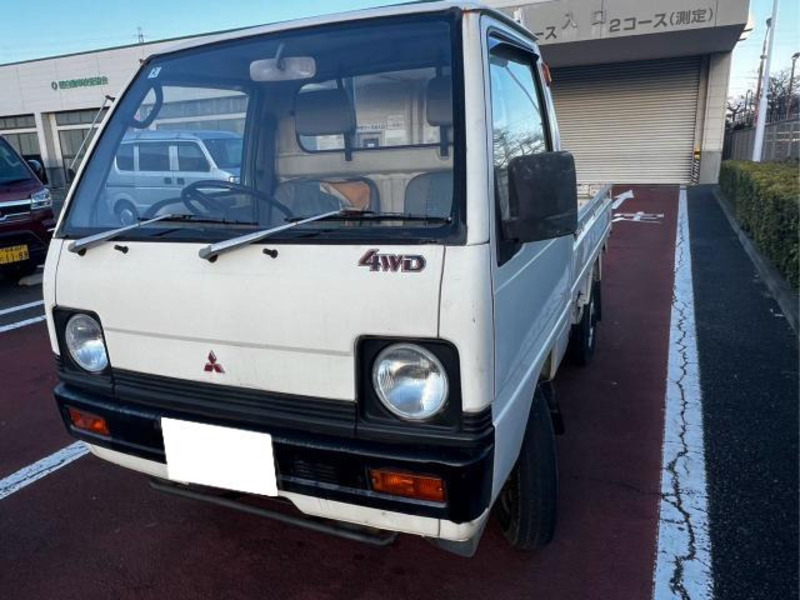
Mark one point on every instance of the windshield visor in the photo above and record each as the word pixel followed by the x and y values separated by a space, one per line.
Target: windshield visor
pixel 256 133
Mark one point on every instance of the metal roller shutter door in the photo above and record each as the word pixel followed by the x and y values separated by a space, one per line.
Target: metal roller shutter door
pixel 629 122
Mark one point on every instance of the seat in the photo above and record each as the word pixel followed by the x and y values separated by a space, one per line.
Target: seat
pixel 430 194
pixel 309 196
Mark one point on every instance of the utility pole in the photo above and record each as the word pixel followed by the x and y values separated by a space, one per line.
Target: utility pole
pixel 746 117
pixel 791 87
pixel 758 145
pixel 761 66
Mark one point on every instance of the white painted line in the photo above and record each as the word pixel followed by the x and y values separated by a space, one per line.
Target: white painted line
pixel 683 561
pixel 27 475
pixel 639 217
pixel 18 324
pixel 19 307
pixel 618 200
pixel 32 280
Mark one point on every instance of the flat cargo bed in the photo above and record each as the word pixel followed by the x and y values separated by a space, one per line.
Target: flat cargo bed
pixel 594 226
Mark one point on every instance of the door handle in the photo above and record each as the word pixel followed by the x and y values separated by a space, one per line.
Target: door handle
pixel 167 179
pixel 180 180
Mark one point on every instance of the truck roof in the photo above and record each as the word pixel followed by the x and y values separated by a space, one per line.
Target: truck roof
pixel 410 8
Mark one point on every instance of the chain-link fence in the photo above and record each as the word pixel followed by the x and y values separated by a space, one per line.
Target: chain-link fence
pixel 781 142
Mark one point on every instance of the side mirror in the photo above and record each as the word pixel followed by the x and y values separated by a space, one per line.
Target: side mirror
pixel 38 169
pixel 543 197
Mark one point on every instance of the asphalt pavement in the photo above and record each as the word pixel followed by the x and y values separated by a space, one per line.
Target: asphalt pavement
pixel 749 379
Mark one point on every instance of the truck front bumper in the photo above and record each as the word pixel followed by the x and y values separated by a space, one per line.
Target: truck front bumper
pixel 323 475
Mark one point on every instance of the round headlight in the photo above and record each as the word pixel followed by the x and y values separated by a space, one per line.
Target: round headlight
pixel 85 343
pixel 410 381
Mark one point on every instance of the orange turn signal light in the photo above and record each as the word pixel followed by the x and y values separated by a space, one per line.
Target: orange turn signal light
pixel 422 487
pixel 88 422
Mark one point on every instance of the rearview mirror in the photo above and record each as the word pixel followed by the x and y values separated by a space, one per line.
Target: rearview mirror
pixel 290 68
pixel 543 197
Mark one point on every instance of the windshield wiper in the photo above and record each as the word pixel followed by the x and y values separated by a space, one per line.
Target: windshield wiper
pixel 199 219
pixel 82 245
pixel 212 251
pixel 371 215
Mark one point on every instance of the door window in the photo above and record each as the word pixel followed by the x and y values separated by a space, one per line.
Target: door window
pixel 125 157
pixel 191 158
pixel 518 124
pixel 154 156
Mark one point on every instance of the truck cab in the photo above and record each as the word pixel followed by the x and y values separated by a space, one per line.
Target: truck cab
pixel 366 322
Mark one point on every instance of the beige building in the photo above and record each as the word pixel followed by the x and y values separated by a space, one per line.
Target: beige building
pixel 640 87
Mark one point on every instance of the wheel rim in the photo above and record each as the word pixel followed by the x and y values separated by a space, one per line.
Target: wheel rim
pixel 126 215
pixel 591 322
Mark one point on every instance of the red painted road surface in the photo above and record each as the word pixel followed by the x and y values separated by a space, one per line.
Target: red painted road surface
pixel 29 427
pixel 92 530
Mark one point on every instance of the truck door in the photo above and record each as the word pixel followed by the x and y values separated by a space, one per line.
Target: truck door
pixel 531 281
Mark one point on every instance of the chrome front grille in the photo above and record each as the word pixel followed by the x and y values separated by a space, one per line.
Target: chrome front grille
pixel 15 210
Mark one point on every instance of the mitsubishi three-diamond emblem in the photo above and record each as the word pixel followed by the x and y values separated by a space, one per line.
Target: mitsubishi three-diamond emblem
pixel 212 366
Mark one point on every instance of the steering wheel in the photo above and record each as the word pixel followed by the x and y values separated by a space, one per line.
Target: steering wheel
pixel 192 193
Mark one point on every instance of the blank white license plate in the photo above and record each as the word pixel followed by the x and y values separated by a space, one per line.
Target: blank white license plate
pixel 222 457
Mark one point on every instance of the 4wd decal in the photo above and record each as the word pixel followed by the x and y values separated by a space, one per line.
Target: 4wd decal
pixel 406 263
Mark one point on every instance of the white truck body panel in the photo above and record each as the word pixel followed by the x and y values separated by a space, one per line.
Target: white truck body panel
pixel 290 324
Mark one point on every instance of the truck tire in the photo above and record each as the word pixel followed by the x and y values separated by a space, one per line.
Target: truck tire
pixel 583 337
pixel 527 506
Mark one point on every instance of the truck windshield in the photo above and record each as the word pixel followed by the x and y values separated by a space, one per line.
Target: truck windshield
pixel 268 129
pixel 12 169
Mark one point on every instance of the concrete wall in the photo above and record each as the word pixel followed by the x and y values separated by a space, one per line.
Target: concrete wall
pixel 566 27
pixel 27 87
pixel 32 87
pixel 713 116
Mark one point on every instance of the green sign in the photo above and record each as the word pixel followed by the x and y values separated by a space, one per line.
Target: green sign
pixel 68 84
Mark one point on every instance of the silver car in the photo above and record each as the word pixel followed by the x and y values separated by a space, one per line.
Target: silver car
pixel 151 166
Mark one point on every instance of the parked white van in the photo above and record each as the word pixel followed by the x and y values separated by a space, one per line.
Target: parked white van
pixel 368 322
pixel 151 166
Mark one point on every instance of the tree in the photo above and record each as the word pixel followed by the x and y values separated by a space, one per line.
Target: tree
pixel 739 114
pixel 778 95
pixel 736 110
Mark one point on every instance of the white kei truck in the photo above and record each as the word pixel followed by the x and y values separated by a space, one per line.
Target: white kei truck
pixel 366 321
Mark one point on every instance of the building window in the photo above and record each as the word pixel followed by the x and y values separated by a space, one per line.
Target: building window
pixel 79 117
pixel 27 144
pixel 17 122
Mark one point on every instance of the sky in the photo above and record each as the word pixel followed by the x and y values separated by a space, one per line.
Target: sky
pixel 787 41
pixel 40 28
